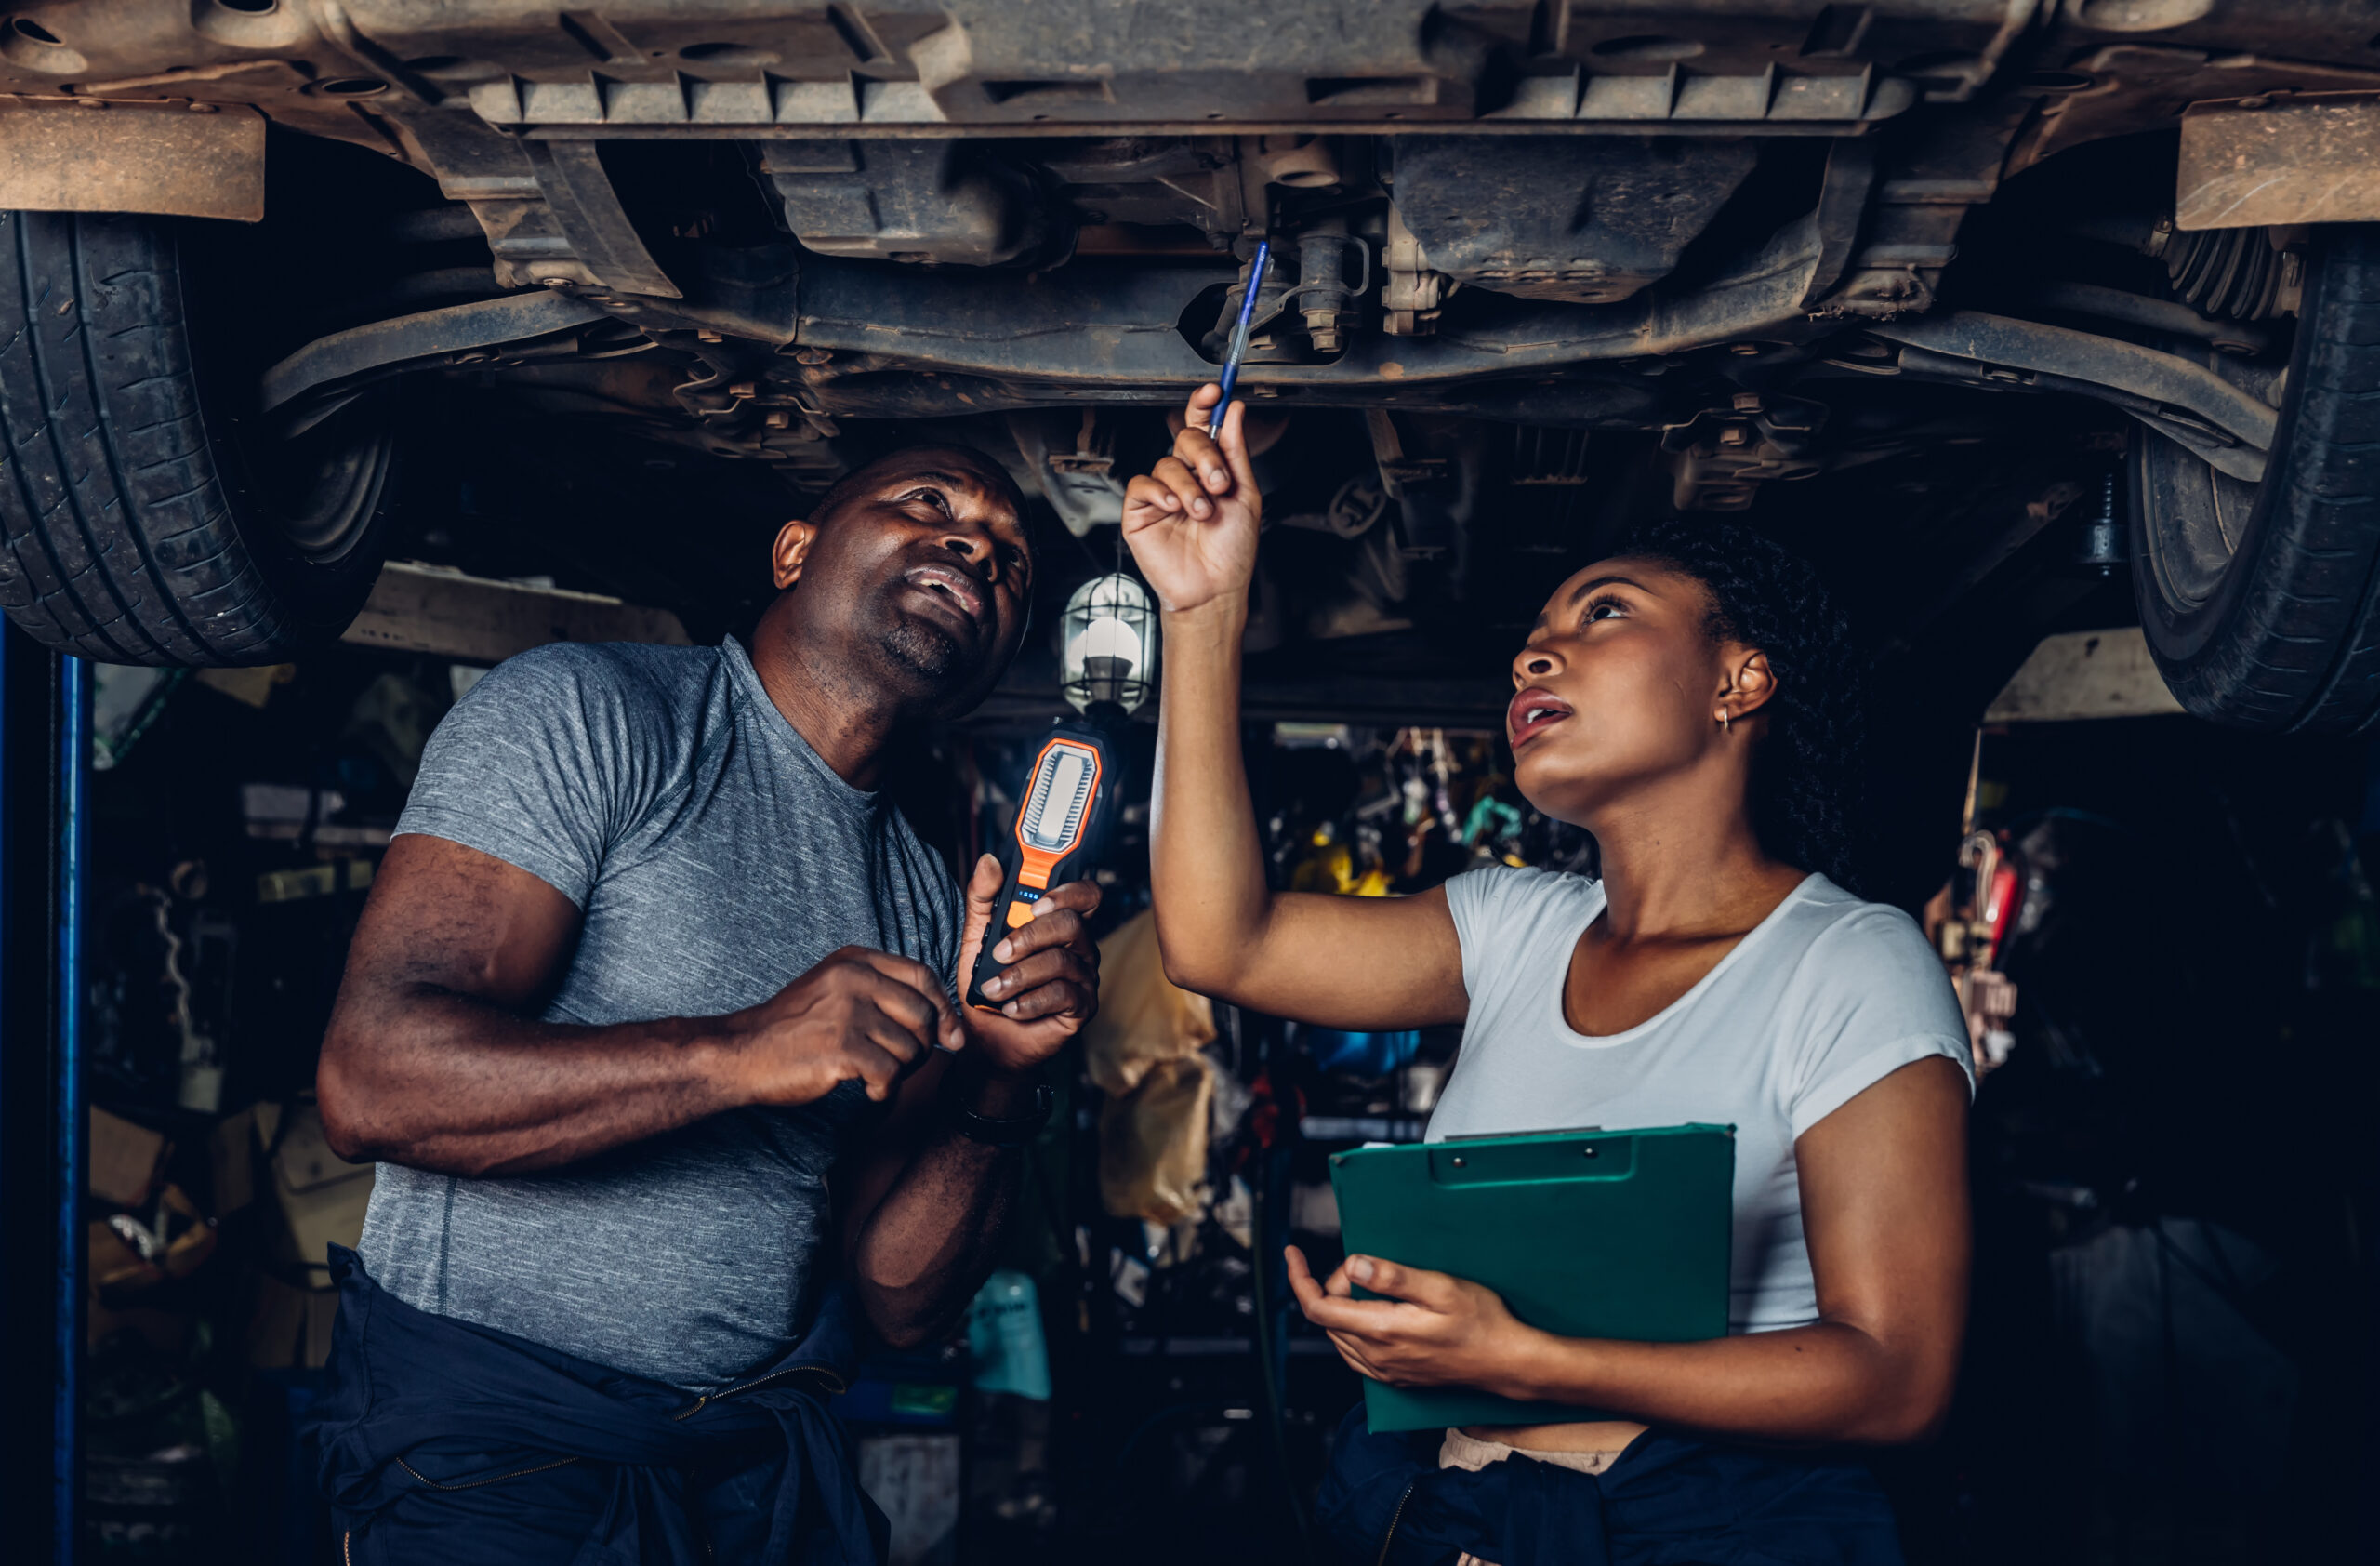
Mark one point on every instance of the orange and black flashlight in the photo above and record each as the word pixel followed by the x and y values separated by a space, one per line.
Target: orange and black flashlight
pixel 1061 832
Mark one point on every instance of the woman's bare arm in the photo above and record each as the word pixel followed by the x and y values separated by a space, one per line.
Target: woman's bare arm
pixel 1884 1210
pixel 1358 962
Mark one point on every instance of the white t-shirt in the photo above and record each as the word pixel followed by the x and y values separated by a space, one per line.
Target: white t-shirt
pixel 1824 997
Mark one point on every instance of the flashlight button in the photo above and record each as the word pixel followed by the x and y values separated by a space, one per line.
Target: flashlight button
pixel 1020 914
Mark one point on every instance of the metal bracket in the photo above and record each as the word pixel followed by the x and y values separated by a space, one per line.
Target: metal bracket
pixel 2164 390
pixel 428 340
pixel 551 214
pixel 1835 222
pixel 579 192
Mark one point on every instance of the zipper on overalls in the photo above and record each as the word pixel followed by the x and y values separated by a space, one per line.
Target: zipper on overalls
pixel 1394 1518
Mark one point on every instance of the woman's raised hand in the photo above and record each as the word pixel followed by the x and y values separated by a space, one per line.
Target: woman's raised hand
pixel 1192 523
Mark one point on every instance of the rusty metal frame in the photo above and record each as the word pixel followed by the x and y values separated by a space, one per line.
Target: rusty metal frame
pixel 2280 160
pixel 89 155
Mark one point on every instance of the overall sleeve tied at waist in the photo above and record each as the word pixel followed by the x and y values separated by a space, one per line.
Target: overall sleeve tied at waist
pixel 421 1402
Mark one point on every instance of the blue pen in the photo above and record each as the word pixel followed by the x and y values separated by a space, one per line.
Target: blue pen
pixel 1239 336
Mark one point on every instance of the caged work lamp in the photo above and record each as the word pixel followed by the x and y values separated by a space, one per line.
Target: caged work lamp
pixel 1107 645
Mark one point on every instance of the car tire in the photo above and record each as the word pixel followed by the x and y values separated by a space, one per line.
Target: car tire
pixel 2261 601
pixel 146 515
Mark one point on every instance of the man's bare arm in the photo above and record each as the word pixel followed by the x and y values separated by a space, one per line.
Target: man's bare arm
pixel 922 1209
pixel 431 1062
pixel 925 1209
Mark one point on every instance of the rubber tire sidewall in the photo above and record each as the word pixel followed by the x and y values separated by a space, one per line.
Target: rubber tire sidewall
pixel 2225 659
pixel 316 600
pixel 134 529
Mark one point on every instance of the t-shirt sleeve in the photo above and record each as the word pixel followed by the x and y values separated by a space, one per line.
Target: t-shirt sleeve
pixel 538 765
pixel 954 933
pixel 1877 1001
pixel 1481 901
pixel 945 905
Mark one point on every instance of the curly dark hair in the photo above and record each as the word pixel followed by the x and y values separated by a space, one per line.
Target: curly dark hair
pixel 1806 773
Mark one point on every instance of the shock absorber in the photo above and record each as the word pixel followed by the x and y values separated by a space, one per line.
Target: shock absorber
pixel 2101 548
pixel 1325 298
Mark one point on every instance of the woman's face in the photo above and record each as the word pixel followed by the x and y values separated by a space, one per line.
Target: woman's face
pixel 1619 685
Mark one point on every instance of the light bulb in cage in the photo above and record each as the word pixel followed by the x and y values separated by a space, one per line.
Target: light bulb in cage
pixel 1108 643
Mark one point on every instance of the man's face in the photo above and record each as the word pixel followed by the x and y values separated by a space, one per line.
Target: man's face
pixel 921 574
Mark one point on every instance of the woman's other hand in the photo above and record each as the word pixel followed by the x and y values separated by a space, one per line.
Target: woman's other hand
pixel 1192 523
pixel 1427 1330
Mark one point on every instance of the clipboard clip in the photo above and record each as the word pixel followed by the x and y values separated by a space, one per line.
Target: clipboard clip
pixel 1502 1135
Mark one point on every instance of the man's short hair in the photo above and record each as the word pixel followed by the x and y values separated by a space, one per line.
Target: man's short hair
pixel 844 489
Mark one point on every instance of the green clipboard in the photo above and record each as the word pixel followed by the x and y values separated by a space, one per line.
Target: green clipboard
pixel 1615 1234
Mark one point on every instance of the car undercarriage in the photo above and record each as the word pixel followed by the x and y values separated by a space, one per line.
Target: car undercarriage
pixel 1937 290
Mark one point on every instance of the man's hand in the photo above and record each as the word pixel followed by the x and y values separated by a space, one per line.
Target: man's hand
pixel 1193 522
pixel 1049 987
pixel 860 1014
pixel 1430 1330
pixel 923 1206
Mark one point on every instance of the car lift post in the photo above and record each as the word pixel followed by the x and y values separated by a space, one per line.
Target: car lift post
pixel 45 834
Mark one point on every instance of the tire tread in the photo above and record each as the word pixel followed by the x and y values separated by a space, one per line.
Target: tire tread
pixel 120 537
pixel 2300 648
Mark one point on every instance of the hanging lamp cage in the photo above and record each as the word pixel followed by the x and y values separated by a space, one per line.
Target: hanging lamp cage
pixel 1108 643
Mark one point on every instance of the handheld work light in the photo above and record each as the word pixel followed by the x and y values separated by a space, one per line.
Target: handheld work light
pixel 1107 647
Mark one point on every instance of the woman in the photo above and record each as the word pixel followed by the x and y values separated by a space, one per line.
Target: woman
pixel 1686 703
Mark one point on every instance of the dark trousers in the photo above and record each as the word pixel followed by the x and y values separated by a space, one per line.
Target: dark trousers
pixel 448 1444
pixel 566 1515
pixel 1669 1500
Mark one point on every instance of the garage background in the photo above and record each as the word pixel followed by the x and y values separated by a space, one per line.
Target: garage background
pixel 2167 1360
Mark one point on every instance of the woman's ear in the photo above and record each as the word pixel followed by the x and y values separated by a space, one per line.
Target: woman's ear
pixel 1750 683
pixel 792 548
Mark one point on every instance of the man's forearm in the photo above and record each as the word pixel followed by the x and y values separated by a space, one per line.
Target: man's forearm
pixel 440 1081
pixel 927 1246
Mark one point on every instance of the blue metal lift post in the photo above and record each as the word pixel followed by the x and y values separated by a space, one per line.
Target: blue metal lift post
pixel 45 784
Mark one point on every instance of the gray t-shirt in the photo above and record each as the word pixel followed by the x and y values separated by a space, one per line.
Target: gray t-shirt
pixel 714 857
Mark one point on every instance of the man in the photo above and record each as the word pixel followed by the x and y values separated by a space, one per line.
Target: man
pixel 647 960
